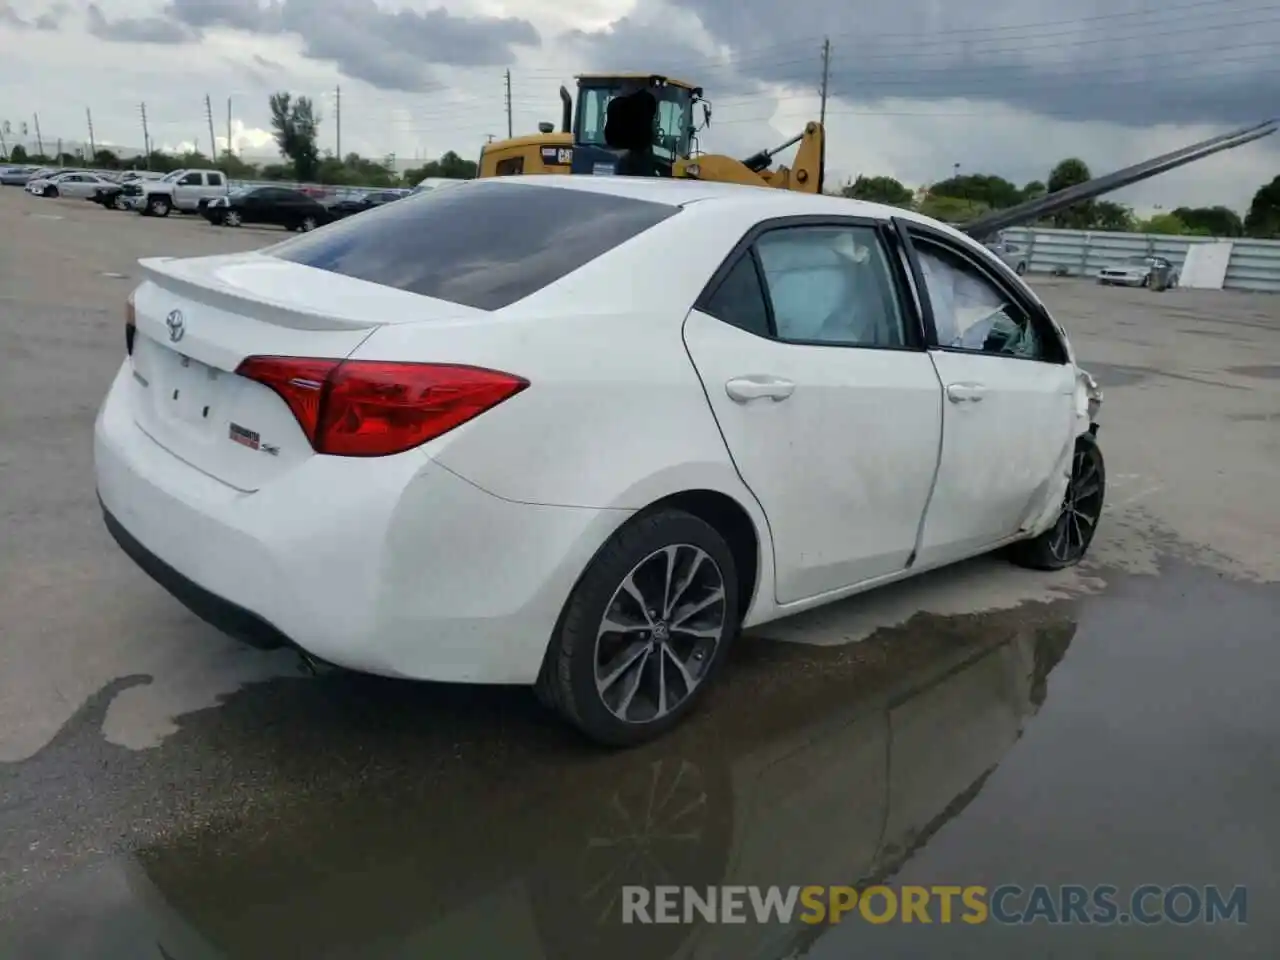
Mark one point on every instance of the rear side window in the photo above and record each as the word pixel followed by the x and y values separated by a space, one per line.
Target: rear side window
pixel 739 300
pixel 481 244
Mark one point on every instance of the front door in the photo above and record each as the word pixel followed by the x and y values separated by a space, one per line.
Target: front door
pixel 826 400
pixel 1009 409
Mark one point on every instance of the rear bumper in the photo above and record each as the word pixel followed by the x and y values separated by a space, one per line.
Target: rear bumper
pixel 394 566
pixel 233 620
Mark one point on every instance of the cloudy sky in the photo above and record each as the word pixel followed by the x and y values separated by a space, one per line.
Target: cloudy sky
pixel 917 86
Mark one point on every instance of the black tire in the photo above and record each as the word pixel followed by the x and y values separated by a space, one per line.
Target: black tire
pixel 568 677
pixel 1066 542
pixel 157 207
pixel 307 224
pixel 113 203
pixel 1146 281
pixel 51 191
pixel 1020 269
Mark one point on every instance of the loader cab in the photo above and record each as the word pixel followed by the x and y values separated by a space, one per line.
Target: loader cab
pixel 673 124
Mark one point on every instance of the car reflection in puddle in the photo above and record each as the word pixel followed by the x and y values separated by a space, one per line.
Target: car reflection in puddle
pixel 818 791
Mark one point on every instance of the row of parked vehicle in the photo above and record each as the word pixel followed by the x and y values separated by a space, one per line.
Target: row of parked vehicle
pixel 208 193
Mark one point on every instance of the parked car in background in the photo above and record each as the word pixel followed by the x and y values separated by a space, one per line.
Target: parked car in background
pixel 435 183
pixel 187 191
pixel 281 206
pixel 1136 272
pixel 37 184
pixel 17 176
pixel 346 206
pixel 1011 253
pixel 78 184
pixel 110 195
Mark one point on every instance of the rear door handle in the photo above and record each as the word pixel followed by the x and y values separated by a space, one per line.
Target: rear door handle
pixel 965 392
pixel 757 387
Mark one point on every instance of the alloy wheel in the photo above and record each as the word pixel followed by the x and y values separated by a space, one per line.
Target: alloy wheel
pixel 1081 509
pixel 659 633
pixel 309 224
pixel 231 218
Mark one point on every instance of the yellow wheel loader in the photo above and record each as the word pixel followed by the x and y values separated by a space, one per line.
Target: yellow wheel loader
pixel 669 147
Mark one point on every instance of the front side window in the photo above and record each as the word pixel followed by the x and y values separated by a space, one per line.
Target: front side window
pixel 831 285
pixel 215 179
pixel 190 180
pixel 971 313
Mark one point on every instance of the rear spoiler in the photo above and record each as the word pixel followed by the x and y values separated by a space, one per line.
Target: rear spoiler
pixel 1034 210
pixel 176 275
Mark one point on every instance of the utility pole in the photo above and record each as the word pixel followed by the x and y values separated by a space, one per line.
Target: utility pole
pixel 146 137
pixel 39 139
pixel 213 141
pixel 57 157
pixel 337 119
pixel 826 74
pixel 230 154
pixel 93 147
pixel 509 134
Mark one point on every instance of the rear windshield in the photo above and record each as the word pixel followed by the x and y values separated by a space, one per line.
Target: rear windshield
pixel 484 244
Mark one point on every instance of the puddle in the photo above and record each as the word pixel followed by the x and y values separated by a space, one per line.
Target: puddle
pixel 1120 738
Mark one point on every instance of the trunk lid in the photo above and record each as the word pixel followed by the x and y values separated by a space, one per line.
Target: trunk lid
pixel 198 319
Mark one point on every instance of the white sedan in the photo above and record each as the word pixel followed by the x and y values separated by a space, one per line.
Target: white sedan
pixel 576 432
pixel 76 184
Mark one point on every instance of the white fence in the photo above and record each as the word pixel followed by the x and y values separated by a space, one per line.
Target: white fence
pixel 1254 264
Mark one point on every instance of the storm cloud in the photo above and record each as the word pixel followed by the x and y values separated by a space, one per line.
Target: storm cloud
pixel 1187 61
pixel 137 29
pixel 393 50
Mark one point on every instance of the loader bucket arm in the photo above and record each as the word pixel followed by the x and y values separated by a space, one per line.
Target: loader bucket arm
pixel 1052 203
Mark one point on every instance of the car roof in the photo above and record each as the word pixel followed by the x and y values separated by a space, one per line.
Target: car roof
pixel 768 202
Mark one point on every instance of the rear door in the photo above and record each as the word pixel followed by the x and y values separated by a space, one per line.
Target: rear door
pixel 813 363
pixel 1009 410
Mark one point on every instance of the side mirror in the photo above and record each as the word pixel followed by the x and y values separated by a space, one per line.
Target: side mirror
pixel 545 127
pixel 706 114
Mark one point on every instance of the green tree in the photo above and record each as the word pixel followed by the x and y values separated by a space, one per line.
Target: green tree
pixel 18 154
pixel 885 190
pixel 1070 173
pixel 295 124
pixel 1263 219
pixel 1034 190
pixel 1166 223
pixel 995 192
pixel 450 166
pixel 951 209
pixel 236 168
pixel 1211 221
pixel 106 159
pixel 1112 216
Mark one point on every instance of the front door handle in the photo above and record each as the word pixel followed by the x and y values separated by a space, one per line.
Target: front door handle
pixel 965 392
pixel 756 387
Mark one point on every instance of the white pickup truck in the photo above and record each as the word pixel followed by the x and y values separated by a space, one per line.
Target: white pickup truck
pixel 184 190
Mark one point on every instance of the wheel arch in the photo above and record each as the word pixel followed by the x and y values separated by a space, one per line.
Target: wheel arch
pixel 732 521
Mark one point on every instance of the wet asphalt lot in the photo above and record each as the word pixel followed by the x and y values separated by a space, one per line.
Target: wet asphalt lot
pixel 166 793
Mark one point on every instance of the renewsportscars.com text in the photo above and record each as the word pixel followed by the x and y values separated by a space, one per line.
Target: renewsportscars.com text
pixel 1006 904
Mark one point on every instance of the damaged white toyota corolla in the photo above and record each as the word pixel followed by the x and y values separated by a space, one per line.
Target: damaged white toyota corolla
pixel 576 432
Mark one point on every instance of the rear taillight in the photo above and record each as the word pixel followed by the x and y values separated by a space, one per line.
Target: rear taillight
pixel 130 324
pixel 372 408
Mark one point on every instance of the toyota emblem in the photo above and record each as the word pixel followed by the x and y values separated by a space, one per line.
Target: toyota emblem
pixel 177 326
